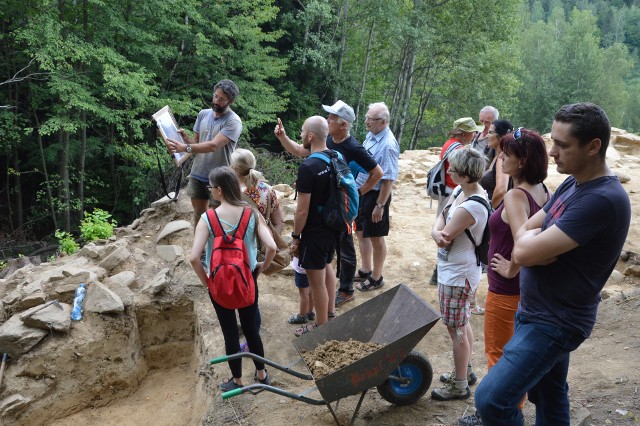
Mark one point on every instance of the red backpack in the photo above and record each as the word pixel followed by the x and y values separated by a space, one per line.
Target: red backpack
pixel 230 280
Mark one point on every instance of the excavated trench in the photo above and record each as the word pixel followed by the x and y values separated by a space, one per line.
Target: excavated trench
pixel 130 369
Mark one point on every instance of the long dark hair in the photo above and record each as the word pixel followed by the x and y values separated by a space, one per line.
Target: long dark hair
pixel 225 179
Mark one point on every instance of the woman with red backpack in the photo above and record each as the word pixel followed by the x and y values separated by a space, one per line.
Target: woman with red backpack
pixel 229 234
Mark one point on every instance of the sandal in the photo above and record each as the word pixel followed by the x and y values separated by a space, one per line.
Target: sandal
pixel 311 316
pixel 297 319
pixel 229 385
pixel 304 329
pixel 265 381
pixel 332 315
pixel 361 275
pixel 370 284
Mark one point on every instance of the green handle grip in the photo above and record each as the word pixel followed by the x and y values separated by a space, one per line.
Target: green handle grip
pixel 232 393
pixel 219 360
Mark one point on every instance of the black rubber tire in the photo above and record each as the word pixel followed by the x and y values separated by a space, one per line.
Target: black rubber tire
pixel 418 368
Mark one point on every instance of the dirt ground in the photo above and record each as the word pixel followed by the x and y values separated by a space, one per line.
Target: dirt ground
pixel 603 376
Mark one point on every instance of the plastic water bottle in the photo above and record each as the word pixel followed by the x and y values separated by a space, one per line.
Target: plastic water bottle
pixel 76 312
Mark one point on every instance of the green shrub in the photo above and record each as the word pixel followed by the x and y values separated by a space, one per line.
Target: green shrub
pixel 66 242
pixel 97 225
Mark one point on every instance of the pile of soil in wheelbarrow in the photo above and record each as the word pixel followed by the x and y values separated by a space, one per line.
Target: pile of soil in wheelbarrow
pixel 335 354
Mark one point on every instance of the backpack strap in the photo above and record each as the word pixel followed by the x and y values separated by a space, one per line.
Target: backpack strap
pixel 449 150
pixel 214 222
pixel 240 230
pixel 484 202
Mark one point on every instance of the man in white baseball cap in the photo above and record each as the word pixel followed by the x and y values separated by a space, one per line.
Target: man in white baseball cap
pixel 342 110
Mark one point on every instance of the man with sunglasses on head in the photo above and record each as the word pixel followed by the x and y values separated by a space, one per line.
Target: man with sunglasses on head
pixel 216 134
pixel 567 252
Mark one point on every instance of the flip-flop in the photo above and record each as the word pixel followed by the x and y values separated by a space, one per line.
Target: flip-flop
pixel 304 329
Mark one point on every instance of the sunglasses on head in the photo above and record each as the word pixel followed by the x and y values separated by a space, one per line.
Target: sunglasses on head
pixel 517 134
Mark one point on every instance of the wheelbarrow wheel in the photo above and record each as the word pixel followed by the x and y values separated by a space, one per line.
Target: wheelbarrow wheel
pixel 417 369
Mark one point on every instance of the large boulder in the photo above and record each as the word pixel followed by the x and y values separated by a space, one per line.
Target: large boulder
pixel 16 338
pixel 101 300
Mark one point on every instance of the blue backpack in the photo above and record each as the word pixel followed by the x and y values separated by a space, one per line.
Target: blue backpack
pixel 341 207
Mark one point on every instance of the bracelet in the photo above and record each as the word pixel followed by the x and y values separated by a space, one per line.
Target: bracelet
pixel 295 236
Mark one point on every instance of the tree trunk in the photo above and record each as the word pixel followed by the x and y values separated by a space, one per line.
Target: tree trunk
pixel 63 139
pixel 18 189
pixel 44 170
pixel 408 91
pixel 343 46
pixel 83 159
pixel 425 97
pixel 363 86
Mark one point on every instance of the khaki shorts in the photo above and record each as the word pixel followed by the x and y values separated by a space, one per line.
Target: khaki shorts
pixel 198 189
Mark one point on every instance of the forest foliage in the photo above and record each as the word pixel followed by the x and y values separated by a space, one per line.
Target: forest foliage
pixel 81 79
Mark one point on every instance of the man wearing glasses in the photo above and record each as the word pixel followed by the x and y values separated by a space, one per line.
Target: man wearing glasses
pixel 372 223
pixel 216 134
pixel 339 120
pixel 567 251
pixel 480 142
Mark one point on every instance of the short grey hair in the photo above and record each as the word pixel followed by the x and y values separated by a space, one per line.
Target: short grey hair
pixel 384 110
pixel 229 88
pixel 492 110
pixel 341 121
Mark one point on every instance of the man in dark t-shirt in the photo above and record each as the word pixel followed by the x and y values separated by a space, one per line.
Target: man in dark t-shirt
pixel 568 251
pixel 340 119
pixel 313 242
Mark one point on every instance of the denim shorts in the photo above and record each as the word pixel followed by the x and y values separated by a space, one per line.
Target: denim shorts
pixel 300 279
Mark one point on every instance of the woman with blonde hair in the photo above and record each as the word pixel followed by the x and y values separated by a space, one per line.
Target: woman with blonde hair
pixel 254 185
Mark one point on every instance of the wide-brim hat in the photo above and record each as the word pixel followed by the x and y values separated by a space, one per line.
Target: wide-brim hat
pixel 342 110
pixel 467 124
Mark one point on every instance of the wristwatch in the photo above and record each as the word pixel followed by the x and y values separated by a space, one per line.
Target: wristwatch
pixel 295 236
pixel 189 149
pixel 380 206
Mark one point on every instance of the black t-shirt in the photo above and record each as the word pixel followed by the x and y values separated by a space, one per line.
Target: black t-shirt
pixel 313 178
pixel 353 152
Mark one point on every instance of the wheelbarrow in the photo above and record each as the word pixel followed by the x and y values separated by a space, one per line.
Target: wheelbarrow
pixel 396 319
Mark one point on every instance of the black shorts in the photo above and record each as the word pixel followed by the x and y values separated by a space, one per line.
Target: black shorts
pixel 316 249
pixel 365 210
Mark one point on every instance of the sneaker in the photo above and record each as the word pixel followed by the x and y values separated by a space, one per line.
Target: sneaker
pixel 472 420
pixel 451 390
pixel 471 377
pixel 434 277
pixel 342 298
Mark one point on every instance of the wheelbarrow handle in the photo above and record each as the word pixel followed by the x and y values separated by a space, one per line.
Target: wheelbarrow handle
pixel 219 360
pixel 263 360
pixel 258 387
pixel 232 393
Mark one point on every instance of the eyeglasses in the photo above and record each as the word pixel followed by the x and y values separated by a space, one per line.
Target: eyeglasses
pixel 221 99
pixel 210 187
pixel 372 119
pixel 492 132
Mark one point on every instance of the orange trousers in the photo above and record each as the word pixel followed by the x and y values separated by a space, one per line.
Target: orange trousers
pixel 499 318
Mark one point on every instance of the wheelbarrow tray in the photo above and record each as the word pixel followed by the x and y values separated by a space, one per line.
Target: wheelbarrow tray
pixel 396 319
